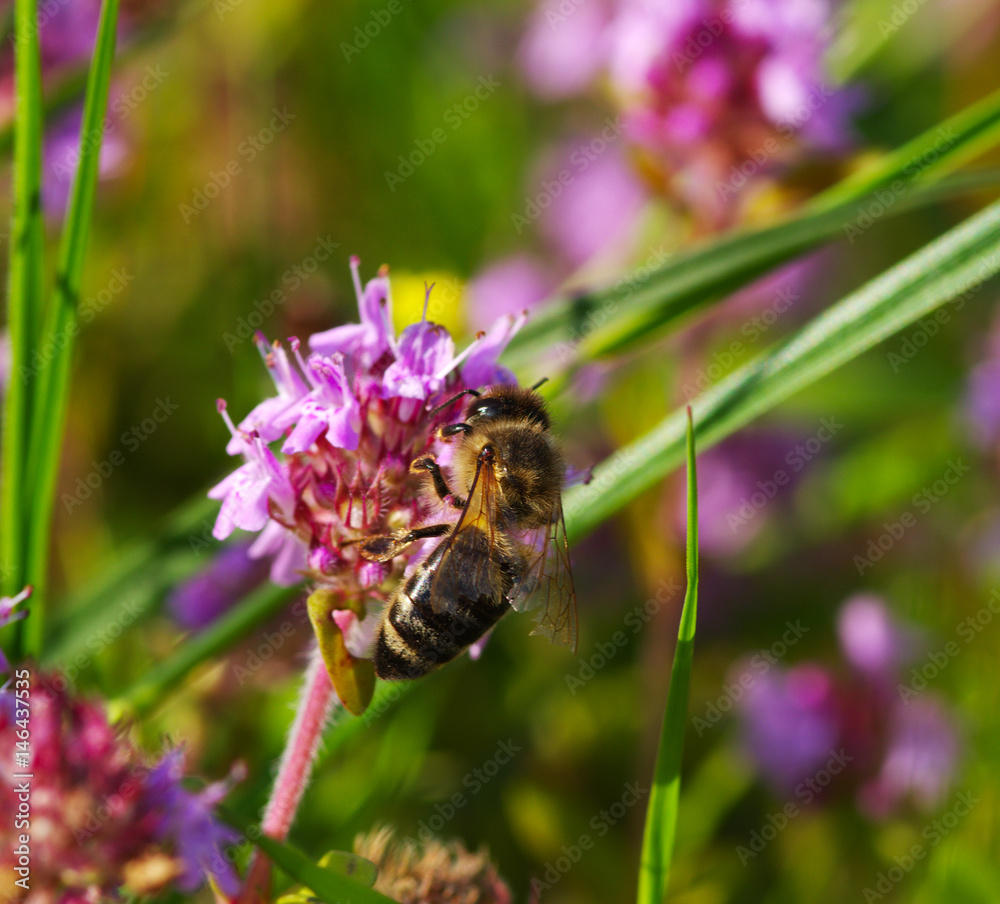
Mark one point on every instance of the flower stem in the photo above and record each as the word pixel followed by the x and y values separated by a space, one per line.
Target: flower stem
pixel 315 707
pixel 314 710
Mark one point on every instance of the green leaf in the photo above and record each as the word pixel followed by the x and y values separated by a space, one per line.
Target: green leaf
pixel 664 798
pixel 607 321
pixel 956 263
pixel 52 393
pixel 342 881
pixel 134 582
pixel 24 300
pixel 146 694
pixel 942 148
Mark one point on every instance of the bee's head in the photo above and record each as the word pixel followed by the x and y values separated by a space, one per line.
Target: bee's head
pixel 508 403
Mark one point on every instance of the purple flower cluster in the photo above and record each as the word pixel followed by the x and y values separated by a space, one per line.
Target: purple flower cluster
pixel 102 817
pixel 231 575
pixel 350 417
pixel 714 92
pixel 982 401
pixel 893 748
pixel 67 32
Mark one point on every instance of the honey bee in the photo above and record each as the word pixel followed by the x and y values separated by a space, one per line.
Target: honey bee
pixel 509 538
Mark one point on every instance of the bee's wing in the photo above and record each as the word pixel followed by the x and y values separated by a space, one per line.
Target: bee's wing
pixel 549 569
pixel 470 564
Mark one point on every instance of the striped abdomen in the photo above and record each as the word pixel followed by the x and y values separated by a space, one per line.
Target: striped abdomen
pixel 446 605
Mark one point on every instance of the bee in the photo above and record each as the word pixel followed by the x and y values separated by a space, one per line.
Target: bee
pixel 509 538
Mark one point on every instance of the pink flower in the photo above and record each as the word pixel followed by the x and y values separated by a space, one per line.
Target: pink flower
pixel 351 418
pixel 596 213
pixel 896 745
pixel 708 88
pixel 507 286
pixel 101 814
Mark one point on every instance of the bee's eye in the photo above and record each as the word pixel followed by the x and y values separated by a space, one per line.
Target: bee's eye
pixel 484 408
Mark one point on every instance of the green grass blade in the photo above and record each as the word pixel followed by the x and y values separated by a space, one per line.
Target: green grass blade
pixel 146 694
pixel 325 884
pixel 956 263
pixel 961 138
pixel 609 320
pixel 49 414
pixel 344 880
pixel 664 797
pixel 24 297
pixel 636 311
pixel 136 579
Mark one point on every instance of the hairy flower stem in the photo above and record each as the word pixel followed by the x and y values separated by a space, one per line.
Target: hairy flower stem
pixel 315 707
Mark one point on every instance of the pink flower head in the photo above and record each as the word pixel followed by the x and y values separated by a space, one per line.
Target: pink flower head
pixel 350 419
pixel 101 816
pixel 507 286
pixel 897 745
pixel 717 92
pixel 228 577
pixel 871 639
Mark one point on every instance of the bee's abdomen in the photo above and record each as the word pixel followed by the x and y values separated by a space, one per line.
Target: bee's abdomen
pixel 414 640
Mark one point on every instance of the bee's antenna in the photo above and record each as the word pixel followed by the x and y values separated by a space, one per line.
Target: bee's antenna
pixel 453 399
pixel 541 382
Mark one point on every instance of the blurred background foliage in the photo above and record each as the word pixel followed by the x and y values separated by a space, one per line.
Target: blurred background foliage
pixel 219 75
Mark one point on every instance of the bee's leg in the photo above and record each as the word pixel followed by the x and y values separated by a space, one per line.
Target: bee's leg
pixel 383 547
pixel 427 463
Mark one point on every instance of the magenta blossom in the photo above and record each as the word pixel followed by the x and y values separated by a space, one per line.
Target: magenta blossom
pixel 891 748
pixel 345 424
pixel 185 820
pixel 507 286
pixel 717 92
pixel 230 575
pixel 102 817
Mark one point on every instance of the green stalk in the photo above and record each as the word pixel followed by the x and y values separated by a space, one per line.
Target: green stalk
pixel 49 415
pixel 146 694
pixel 24 295
pixel 664 800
